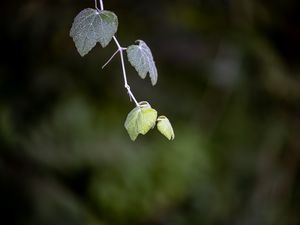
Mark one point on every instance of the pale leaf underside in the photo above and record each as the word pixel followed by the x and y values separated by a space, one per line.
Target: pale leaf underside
pixel 140 57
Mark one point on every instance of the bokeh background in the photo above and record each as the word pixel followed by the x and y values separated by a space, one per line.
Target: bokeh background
pixel 228 80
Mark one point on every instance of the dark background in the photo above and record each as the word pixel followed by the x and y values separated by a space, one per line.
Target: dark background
pixel 228 80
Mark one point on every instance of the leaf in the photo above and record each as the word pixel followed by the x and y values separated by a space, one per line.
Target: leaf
pixel 131 123
pixel 91 26
pixel 140 120
pixel 140 57
pixel 147 118
pixel 164 126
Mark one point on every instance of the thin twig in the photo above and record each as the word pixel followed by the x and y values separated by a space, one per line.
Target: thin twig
pixel 108 61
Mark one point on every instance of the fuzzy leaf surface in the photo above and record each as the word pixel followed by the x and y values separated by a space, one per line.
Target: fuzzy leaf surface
pixel 140 57
pixel 91 26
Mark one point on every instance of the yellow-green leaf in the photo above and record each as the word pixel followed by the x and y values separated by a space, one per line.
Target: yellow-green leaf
pixel 140 120
pixel 164 126
pixel 146 120
pixel 131 123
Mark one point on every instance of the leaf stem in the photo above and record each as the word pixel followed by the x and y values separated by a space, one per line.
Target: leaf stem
pixel 96 5
pixel 120 50
pixel 101 4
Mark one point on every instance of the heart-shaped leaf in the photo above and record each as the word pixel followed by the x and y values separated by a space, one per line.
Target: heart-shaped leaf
pixel 91 26
pixel 140 120
pixel 164 126
pixel 140 57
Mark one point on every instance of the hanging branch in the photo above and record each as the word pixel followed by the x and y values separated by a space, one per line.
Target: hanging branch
pixel 91 26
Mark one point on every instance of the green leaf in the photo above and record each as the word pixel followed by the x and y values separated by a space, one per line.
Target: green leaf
pixel 164 126
pixel 91 26
pixel 140 120
pixel 140 57
pixel 131 123
pixel 147 118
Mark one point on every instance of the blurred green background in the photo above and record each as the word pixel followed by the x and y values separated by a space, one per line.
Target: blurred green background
pixel 228 80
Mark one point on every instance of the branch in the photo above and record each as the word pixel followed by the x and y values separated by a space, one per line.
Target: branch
pixel 120 50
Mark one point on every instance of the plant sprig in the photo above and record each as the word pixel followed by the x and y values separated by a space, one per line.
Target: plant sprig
pixel 91 26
